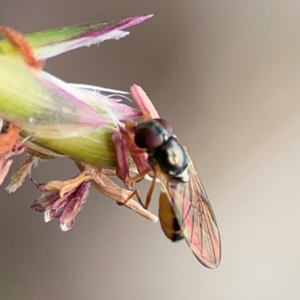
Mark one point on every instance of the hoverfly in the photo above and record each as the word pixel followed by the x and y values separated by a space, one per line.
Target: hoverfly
pixel 184 209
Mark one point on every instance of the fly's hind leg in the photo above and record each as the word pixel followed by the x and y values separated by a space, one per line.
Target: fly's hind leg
pixel 137 194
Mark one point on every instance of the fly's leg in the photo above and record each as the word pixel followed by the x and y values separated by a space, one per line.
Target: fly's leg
pixel 137 194
pixel 124 144
pixel 138 176
pixel 123 147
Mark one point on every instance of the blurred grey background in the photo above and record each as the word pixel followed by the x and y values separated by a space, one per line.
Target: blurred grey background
pixel 226 74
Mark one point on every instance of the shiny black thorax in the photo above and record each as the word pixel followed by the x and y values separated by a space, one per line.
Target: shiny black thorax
pixel 171 159
pixel 163 149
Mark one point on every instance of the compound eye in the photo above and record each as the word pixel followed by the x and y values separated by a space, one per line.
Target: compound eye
pixel 146 138
pixel 166 125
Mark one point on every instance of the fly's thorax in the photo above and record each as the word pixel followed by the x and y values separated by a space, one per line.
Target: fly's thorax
pixel 171 159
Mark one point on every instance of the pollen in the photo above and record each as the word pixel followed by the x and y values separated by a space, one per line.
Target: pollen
pixel 9 139
pixel 19 43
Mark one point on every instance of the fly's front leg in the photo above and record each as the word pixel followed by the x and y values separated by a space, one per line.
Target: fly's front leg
pixel 124 145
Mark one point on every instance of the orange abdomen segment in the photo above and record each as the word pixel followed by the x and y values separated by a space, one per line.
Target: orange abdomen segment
pixel 168 221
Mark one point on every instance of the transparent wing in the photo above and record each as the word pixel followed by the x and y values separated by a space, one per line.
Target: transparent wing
pixel 195 217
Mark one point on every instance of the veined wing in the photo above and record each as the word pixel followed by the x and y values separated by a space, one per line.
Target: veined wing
pixel 195 217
